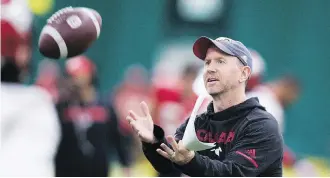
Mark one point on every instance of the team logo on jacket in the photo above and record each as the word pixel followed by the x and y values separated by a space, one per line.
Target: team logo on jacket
pixel 217 150
pixel 209 137
pixel 251 153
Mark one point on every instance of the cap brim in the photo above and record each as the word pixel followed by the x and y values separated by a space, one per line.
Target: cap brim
pixel 203 43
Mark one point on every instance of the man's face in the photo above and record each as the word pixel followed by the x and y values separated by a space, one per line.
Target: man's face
pixel 222 72
pixel 82 79
pixel 290 93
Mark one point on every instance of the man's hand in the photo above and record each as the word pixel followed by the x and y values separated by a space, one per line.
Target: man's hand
pixel 179 155
pixel 142 125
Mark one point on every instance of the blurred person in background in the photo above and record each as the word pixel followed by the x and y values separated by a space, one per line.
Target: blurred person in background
pixel 128 94
pixel 171 105
pixel 16 31
pixel 259 69
pixel 89 125
pixel 277 96
pixel 30 130
pixel 48 76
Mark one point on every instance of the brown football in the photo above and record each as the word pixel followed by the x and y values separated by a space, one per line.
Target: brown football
pixel 69 32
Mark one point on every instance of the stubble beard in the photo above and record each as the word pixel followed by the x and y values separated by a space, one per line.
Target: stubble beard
pixel 222 91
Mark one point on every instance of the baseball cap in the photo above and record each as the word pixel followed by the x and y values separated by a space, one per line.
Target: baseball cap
pixel 227 45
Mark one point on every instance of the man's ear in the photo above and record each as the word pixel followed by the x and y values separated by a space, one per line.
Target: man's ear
pixel 246 72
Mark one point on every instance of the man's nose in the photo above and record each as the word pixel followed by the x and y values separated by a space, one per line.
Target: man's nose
pixel 210 68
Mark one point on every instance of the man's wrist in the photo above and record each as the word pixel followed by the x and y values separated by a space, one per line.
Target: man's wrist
pixel 154 140
pixel 191 166
pixel 190 157
pixel 158 137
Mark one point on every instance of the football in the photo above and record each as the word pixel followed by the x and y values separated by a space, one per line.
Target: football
pixel 69 32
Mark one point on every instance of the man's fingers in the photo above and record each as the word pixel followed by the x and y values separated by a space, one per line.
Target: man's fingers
pixel 145 108
pixel 129 119
pixel 133 115
pixel 163 153
pixel 167 149
pixel 132 123
pixel 141 135
pixel 181 147
pixel 134 128
pixel 173 143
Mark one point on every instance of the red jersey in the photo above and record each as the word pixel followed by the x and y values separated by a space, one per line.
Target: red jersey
pixel 170 108
pixel 128 97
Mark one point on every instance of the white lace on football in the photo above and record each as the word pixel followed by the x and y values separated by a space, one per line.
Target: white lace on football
pixel 59 13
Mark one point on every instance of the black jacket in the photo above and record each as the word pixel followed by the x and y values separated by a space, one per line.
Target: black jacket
pixel 249 138
pixel 85 146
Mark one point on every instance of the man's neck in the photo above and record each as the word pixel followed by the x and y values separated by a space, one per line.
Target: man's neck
pixel 228 99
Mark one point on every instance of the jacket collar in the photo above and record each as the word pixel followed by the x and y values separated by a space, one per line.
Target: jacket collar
pixel 234 111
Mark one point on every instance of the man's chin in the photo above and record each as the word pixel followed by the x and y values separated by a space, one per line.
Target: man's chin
pixel 213 93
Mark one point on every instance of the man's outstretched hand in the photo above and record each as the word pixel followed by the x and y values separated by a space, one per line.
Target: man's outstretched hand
pixel 179 155
pixel 142 125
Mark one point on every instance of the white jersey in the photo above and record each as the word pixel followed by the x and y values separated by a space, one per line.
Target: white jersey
pixel 30 132
pixel 270 102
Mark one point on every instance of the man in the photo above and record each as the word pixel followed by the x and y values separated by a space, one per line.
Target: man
pixel 248 141
pixel 30 130
pixel 89 125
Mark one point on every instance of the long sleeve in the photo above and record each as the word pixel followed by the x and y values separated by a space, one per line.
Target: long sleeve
pixel 161 164
pixel 259 147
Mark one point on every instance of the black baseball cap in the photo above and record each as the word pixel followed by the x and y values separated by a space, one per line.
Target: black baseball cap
pixel 227 45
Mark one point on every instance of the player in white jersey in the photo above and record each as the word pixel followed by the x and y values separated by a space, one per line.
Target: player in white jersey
pixel 30 130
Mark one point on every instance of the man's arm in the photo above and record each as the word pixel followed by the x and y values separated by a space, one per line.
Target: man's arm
pixel 260 146
pixel 161 164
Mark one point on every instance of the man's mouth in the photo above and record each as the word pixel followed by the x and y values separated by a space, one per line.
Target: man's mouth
pixel 212 80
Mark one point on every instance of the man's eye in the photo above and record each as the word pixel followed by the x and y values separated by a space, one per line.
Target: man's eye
pixel 220 61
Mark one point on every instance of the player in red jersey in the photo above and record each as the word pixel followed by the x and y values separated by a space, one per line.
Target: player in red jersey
pixel 171 105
